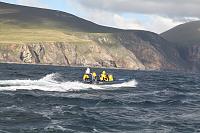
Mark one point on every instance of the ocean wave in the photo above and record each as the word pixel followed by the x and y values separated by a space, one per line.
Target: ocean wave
pixel 49 83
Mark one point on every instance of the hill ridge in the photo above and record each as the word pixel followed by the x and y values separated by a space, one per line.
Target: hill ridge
pixel 43 36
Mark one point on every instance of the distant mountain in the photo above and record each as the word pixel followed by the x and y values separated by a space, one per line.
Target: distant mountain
pixel 42 36
pixel 186 37
pixel 188 33
pixel 38 18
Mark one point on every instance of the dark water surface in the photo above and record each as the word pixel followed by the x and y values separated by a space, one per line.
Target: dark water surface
pixel 53 99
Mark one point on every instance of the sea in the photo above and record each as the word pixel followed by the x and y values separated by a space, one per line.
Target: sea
pixel 52 99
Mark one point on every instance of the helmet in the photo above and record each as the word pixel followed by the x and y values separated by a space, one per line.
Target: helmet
pixel 104 72
pixel 94 74
pixel 87 71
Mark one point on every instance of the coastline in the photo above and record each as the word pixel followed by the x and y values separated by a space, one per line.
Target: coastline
pixel 114 68
pixel 76 66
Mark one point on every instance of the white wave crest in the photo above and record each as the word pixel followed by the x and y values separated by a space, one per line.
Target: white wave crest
pixel 48 83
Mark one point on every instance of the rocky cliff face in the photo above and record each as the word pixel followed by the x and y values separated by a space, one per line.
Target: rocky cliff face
pixel 153 52
pixel 191 55
pixel 120 50
pixel 186 38
pixel 60 53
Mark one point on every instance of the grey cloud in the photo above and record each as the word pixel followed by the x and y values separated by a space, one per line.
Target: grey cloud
pixel 171 8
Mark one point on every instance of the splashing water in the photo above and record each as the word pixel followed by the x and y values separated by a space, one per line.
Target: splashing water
pixel 49 83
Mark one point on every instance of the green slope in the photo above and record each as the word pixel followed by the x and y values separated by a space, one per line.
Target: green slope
pixel 29 17
pixel 27 24
pixel 188 33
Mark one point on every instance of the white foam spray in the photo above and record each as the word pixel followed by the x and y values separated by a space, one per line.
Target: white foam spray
pixel 48 83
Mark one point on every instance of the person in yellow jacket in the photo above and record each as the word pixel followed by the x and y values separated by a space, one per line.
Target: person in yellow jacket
pixel 110 76
pixel 86 76
pixel 104 76
pixel 94 76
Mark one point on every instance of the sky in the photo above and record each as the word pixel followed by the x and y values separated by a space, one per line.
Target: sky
pixel 153 15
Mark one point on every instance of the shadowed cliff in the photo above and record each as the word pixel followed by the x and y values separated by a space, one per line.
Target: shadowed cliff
pixel 186 38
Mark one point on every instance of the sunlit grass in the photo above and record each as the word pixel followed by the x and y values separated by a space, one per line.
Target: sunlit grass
pixel 14 34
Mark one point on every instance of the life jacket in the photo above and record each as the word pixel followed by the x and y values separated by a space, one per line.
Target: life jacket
pixel 86 77
pixel 104 77
pixel 110 77
pixel 94 74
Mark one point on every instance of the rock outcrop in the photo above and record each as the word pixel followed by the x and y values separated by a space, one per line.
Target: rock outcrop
pixel 119 50
pixel 60 53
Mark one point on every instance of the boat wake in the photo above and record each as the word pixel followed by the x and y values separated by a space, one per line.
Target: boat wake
pixel 49 83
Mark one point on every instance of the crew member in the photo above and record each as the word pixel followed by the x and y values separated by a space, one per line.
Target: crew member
pixel 94 76
pixel 104 76
pixel 87 74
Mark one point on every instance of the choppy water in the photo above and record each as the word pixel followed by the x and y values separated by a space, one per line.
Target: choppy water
pixel 53 99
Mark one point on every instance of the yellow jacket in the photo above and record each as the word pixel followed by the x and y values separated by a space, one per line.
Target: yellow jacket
pixel 94 74
pixel 104 77
pixel 85 77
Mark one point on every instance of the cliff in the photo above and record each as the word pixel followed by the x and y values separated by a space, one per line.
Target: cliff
pixel 42 36
pixel 186 38
pixel 121 50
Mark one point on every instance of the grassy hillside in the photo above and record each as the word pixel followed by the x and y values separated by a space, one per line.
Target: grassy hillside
pixel 28 17
pixel 16 34
pixel 26 24
pixel 188 33
pixel 35 35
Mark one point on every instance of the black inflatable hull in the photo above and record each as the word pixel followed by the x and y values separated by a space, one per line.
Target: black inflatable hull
pixel 99 82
